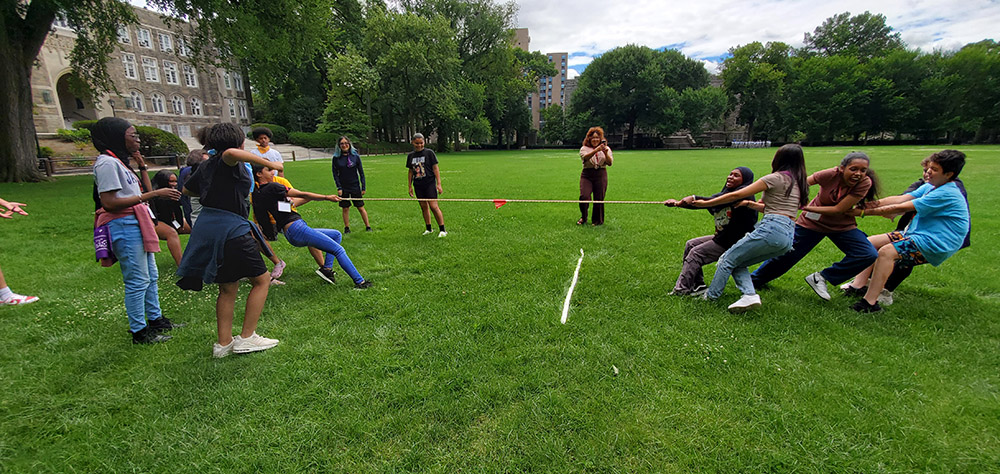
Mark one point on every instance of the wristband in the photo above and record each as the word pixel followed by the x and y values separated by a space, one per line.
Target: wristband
pixel 862 213
pixel 143 168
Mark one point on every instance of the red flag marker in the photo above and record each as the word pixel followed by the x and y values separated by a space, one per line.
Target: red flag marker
pixel 499 202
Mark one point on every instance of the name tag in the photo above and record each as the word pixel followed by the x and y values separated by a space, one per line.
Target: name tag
pixel 176 225
pixel 150 211
pixel 812 215
pixel 284 206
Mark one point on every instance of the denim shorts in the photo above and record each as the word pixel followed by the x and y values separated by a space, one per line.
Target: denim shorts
pixel 909 254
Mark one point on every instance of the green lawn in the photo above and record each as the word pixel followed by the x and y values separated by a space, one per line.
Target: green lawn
pixel 456 361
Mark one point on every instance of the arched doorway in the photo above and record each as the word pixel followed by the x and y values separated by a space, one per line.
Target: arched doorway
pixel 72 106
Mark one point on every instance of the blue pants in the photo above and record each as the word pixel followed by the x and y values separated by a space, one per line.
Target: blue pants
pixel 328 240
pixel 859 254
pixel 139 272
pixel 771 237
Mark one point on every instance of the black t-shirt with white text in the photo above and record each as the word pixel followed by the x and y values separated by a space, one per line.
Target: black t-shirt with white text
pixel 422 164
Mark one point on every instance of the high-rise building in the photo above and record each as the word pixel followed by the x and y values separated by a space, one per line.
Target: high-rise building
pixel 157 81
pixel 551 90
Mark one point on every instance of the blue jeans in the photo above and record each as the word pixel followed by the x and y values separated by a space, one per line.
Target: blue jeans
pixel 859 254
pixel 771 237
pixel 139 272
pixel 300 234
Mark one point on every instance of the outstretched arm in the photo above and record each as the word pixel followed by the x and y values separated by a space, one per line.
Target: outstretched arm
pixel 305 196
pixel 758 186
pixel 10 208
pixel 235 155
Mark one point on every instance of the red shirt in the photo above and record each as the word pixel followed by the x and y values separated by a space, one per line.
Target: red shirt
pixel 831 191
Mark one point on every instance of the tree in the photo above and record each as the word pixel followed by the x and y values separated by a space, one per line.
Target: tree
pixel 264 37
pixel 554 130
pixel 828 92
pixel 863 36
pixel 702 107
pixel 23 28
pixel 352 82
pixel 754 79
pixel 976 72
pixel 634 84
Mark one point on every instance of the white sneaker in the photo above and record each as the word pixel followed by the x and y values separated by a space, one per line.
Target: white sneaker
pixel 885 297
pixel 442 234
pixel 16 299
pixel 818 284
pixel 426 232
pixel 254 343
pixel 745 303
pixel 219 351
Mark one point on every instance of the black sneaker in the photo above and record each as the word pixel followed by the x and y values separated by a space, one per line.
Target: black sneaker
pixel 347 230
pixel 364 284
pixel 327 274
pixel 368 229
pixel 862 306
pixel 148 335
pixel 852 291
pixel 163 324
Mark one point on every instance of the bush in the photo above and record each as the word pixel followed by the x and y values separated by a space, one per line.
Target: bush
pixel 76 136
pixel 87 124
pixel 314 140
pixel 279 133
pixel 156 142
pixel 45 152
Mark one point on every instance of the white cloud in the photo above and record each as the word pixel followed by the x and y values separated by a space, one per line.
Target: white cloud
pixel 708 29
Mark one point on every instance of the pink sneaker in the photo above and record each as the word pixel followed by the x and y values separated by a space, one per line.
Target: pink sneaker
pixel 278 269
pixel 19 299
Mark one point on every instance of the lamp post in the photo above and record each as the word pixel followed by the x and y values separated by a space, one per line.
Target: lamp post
pixel 111 102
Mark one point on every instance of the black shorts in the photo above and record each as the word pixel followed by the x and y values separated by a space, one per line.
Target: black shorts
pixel 351 194
pixel 425 189
pixel 240 258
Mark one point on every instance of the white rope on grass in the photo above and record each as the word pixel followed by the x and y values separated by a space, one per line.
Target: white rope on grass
pixel 569 294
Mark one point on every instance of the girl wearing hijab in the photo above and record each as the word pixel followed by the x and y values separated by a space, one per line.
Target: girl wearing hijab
pixel 349 176
pixel 841 188
pixel 120 197
pixel 732 222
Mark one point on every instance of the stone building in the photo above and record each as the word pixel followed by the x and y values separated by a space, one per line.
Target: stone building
pixel 158 83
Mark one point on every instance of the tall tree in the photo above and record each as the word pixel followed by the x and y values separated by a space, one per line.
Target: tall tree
pixel 23 28
pixel 263 37
pixel 754 79
pixel 632 85
pixel 863 36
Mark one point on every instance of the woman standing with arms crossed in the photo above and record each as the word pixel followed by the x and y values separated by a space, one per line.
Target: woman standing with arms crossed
pixel 596 158
pixel 349 176
pixel 121 206
pixel 785 191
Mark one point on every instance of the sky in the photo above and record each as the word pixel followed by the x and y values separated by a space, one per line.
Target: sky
pixel 707 29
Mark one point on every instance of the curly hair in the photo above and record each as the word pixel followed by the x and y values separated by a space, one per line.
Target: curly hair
pixel 598 130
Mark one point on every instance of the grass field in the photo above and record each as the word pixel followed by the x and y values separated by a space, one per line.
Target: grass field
pixel 456 361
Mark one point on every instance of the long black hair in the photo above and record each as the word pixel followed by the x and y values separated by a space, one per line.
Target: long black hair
pixel 790 159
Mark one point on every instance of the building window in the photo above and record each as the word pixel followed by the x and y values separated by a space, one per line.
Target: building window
pixel 123 36
pixel 137 101
pixel 166 43
pixel 182 47
pixel 170 72
pixel 190 78
pixel 195 106
pixel 232 108
pixel 228 79
pixel 243 109
pixel 165 127
pixel 158 103
pixel 238 79
pixel 184 130
pixel 143 39
pixel 150 69
pixel 128 61
pixel 177 105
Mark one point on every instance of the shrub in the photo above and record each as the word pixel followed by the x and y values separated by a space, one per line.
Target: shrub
pixel 76 136
pixel 45 152
pixel 279 133
pixel 87 124
pixel 156 142
pixel 315 139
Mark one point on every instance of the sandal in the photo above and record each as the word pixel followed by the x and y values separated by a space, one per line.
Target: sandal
pixel 581 222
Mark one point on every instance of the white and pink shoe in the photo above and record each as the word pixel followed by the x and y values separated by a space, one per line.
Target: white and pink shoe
pixel 18 299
